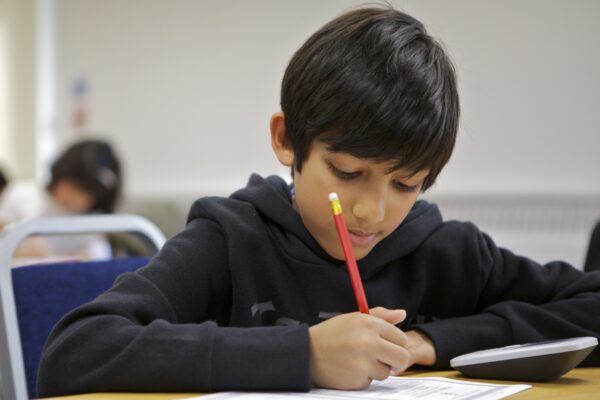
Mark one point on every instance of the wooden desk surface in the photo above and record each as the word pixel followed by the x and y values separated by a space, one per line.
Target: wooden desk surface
pixel 580 383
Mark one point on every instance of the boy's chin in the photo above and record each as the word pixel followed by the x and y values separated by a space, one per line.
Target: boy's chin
pixel 359 254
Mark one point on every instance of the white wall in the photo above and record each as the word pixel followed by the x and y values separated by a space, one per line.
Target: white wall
pixel 529 76
pixel 187 87
pixel 17 88
pixel 4 121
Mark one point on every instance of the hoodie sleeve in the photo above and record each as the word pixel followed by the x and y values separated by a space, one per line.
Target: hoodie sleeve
pixel 158 330
pixel 517 301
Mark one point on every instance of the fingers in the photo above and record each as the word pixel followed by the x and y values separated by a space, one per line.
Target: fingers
pixel 392 351
pixel 397 358
pixel 393 317
pixel 391 333
pixel 379 371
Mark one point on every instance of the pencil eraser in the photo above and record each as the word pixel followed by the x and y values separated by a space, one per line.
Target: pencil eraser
pixel 333 196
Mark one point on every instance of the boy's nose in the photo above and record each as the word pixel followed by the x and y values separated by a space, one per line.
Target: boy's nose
pixel 370 208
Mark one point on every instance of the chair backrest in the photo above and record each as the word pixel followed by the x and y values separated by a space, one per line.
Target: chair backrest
pixel 592 260
pixel 44 293
pixel 24 324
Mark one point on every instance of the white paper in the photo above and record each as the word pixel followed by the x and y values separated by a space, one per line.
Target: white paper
pixel 393 388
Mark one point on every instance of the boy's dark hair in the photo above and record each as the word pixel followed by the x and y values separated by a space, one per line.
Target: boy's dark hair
pixel 93 166
pixel 374 84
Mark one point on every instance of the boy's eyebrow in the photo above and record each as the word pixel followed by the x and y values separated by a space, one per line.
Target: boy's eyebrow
pixel 330 152
pixel 395 168
pixel 388 171
pixel 409 176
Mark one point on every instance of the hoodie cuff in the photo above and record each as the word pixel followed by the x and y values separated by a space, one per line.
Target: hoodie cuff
pixel 456 336
pixel 262 358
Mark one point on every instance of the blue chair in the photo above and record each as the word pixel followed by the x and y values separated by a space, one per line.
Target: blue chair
pixel 34 298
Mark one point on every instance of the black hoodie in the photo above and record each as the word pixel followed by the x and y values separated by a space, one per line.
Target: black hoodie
pixel 226 304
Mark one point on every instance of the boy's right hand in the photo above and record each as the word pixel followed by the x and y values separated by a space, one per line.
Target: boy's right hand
pixel 350 350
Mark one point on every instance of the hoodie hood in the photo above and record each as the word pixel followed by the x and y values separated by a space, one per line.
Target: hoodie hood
pixel 270 198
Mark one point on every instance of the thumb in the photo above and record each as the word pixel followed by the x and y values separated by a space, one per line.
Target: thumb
pixel 392 316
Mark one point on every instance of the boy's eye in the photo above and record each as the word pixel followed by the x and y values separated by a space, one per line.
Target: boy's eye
pixel 342 174
pixel 405 188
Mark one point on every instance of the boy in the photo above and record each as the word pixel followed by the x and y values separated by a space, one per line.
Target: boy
pixel 253 294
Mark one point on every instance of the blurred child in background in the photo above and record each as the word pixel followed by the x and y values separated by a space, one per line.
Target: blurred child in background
pixel 84 179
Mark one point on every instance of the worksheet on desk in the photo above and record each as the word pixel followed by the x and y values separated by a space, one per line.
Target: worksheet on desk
pixel 393 388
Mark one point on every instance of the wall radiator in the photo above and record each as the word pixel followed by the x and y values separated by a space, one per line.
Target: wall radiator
pixel 541 228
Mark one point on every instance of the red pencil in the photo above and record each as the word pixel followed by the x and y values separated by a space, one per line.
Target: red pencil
pixel 342 230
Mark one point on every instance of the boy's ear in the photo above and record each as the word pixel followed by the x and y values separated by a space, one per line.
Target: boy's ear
pixel 281 146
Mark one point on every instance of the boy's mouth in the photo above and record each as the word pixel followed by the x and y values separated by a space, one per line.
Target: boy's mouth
pixel 361 238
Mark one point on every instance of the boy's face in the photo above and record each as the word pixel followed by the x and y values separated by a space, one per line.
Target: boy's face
pixel 374 201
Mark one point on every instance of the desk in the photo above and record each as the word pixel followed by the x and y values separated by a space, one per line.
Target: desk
pixel 579 384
